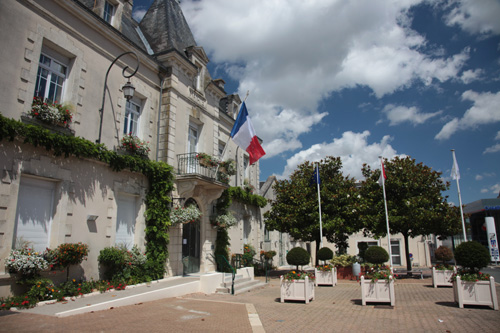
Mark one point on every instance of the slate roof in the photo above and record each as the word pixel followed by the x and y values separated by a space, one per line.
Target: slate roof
pixel 165 27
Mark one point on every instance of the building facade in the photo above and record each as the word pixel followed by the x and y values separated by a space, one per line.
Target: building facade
pixel 81 53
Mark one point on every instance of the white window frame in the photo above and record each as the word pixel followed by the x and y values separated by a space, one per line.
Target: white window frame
pixel 52 68
pixel 132 117
pixel 396 242
pixel 221 149
pixel 109 11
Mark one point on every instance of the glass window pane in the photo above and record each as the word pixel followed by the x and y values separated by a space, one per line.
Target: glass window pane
pixel 41 82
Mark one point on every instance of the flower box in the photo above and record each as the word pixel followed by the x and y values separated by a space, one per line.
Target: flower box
pixel 51 127
pixel 297 290
pixel 475 293
pixel 380 291
pixel 328 278
pixel 442 277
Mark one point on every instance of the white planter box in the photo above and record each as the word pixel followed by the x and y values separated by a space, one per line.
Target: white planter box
pixel 475 293
pixel 442 277
pixel 297 290
pixel 381 291
pixel 328 278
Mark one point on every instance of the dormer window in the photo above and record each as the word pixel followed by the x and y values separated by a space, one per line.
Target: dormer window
pixel 109 12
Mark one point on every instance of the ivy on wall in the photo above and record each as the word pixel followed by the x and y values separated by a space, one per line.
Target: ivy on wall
pixel 222 206
pixel 160 176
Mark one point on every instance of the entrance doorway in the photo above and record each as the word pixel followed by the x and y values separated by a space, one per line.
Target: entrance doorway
pixel 191 244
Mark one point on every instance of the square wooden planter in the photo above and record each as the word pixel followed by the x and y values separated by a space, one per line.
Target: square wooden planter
pixel 328 278
pixel 475 293
pixel 297 290
pixel 442 277
pixel 380 291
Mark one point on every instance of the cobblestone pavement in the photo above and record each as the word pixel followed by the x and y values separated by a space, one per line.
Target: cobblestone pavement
pixel 419 308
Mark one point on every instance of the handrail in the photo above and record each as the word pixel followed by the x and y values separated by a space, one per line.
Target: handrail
pixel 222 261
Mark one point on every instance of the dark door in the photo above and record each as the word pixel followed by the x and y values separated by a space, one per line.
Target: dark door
pixel 191 246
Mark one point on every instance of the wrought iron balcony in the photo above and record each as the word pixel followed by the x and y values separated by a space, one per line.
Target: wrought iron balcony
pixel 191 165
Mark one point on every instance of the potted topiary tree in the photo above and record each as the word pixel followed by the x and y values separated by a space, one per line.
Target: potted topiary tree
pixel 442 273
pixel 297 285
pixel 470 286
pixel 325 274
pixel 377 284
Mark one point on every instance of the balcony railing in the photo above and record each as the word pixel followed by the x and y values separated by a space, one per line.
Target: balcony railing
pixel 188 164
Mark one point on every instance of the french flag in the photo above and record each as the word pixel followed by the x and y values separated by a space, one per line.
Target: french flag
pixel 244 135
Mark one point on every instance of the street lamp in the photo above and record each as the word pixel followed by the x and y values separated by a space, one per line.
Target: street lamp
pixel 128 89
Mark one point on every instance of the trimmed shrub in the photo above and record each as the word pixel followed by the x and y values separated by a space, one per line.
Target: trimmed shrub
pixel 472 256
pixel 376 255
pixel 325 253
pixel 443 254
pixel 298 257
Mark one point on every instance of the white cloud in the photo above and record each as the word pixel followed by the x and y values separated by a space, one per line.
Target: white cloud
pixel 497 137
pixel 470 75
pixel 397 114
pixel 485 174
pixel 476 16
pixel 493 149
pixel 484 110
pixel 293 54
pixel 493 189
pixel 353 149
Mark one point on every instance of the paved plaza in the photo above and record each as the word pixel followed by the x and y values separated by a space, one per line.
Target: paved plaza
pixel 419 308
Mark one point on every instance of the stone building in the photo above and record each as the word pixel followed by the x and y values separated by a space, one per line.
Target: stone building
pixel 83 53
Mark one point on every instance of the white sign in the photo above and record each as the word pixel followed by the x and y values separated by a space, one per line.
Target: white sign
pixel 492 238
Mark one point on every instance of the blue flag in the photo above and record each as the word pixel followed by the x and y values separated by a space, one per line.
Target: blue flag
pixel 315 180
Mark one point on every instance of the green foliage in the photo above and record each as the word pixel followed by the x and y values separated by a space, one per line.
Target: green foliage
pixel 443 254
pixel 379 273
pixel 362 247
pixel 298 256
pixel 127 267
pixel 343 260
pixel 248 254
pixel 325 253
pixel 238 194
pixel 415 202
pixel 299 275
pixel 472 256
pixel 71 254
pixel 160 176
pixel 376 255
pixel 295 209
pixel 43 289
pixel 222 249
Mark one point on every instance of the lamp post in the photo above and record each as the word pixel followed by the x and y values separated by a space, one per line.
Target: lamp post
pixel 128 88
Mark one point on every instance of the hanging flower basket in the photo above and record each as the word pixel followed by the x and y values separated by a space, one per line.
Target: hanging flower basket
pixel 185 215
pixel 224 221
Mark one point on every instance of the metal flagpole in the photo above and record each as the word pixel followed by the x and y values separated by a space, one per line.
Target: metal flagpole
pixel 456 175
pixel 386 212
pixel 319 205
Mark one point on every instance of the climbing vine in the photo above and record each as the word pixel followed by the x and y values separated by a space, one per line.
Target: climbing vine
pixel 160 176
pixel 222 206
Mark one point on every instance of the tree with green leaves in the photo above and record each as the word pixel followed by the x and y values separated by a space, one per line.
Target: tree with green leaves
pixel 415 202
pixel 295 209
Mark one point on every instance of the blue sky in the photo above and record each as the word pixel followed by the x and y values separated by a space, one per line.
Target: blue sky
pixel 359 79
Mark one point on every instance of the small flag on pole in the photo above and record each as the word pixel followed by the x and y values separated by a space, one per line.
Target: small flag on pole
pixel 244 135
pixel 455 172
pixel 383 176
pixel 315 180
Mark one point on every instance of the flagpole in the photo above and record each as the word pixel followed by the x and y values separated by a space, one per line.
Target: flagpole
pixel 227 143
pixel 319 205
pixel 457 177
pixel 386 212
